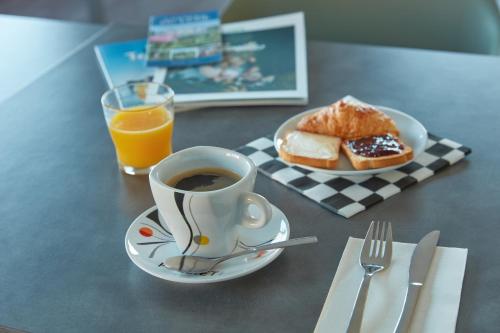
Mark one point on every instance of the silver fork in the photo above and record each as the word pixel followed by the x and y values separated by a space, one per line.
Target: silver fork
pixel 375 256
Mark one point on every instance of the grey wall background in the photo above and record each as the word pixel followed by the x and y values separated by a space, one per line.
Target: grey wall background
pixel 134 12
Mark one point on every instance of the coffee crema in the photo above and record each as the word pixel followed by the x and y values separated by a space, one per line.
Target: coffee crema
pixel 203 179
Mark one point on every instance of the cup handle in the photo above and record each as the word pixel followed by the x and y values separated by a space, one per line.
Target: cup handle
pixel 248 221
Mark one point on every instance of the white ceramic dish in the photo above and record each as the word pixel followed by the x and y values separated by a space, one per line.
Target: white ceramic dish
pixel 148 242
pixel 412 132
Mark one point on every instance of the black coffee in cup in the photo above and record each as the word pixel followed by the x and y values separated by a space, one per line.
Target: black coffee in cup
pixel 203 179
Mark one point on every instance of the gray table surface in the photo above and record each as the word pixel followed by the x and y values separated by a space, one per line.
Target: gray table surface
pixel 31 46
pixel 64 206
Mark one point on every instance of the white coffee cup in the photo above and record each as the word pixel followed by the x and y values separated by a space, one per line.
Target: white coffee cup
pixel 206 223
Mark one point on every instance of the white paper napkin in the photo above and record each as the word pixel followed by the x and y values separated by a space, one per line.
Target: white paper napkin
pixel 438 303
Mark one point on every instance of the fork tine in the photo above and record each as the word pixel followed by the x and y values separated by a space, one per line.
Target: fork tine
pixel 381 241
pixel 376 237
pixel 365 251
pixel 388 243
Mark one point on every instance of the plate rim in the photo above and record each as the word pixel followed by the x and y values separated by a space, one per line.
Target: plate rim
pixel 341 173
pixel 205 279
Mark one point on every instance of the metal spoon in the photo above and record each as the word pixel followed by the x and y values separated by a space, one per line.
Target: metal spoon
pixel 199 265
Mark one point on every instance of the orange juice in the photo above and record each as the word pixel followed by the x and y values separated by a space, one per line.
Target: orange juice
pixel 142 135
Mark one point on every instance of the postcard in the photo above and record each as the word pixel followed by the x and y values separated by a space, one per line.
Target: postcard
pixel 184 40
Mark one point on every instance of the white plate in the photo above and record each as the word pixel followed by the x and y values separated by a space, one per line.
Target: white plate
pixel 149 242
pixel 412 132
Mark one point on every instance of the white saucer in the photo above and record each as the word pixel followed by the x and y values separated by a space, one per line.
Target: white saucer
pixel 412 132
pixel 149 242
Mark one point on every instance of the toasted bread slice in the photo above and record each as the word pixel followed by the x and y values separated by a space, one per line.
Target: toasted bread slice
pixel 320 151
pixel 360 162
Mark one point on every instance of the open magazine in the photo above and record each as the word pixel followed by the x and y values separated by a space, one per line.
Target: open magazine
pixel 264 63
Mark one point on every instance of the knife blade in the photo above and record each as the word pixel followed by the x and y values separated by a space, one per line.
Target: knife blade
pixel 419 267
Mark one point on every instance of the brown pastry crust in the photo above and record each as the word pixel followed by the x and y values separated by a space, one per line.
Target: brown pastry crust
pixel 349 121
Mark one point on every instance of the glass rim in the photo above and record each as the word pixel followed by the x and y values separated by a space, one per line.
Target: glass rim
pixel 169 95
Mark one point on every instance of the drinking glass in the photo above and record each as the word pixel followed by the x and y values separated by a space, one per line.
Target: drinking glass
pixel 140 119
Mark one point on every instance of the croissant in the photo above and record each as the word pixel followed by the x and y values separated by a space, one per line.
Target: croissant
pixel 348 120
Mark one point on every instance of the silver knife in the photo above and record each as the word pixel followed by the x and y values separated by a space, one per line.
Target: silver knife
pixel 420 263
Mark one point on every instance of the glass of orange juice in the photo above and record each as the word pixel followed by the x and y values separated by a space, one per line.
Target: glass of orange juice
pixel 140 119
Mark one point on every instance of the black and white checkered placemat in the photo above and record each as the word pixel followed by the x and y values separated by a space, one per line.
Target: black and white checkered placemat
pixel 347 196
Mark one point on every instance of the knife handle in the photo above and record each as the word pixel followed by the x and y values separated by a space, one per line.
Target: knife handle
pixel 410 303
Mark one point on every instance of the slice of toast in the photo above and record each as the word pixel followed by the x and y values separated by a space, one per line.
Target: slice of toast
pixel 316 150
pixel 360 162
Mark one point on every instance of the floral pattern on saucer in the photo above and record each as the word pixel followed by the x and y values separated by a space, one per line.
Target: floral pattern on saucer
pixel 148 242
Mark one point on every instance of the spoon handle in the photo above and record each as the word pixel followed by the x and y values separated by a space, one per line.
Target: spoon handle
pixel 290 242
